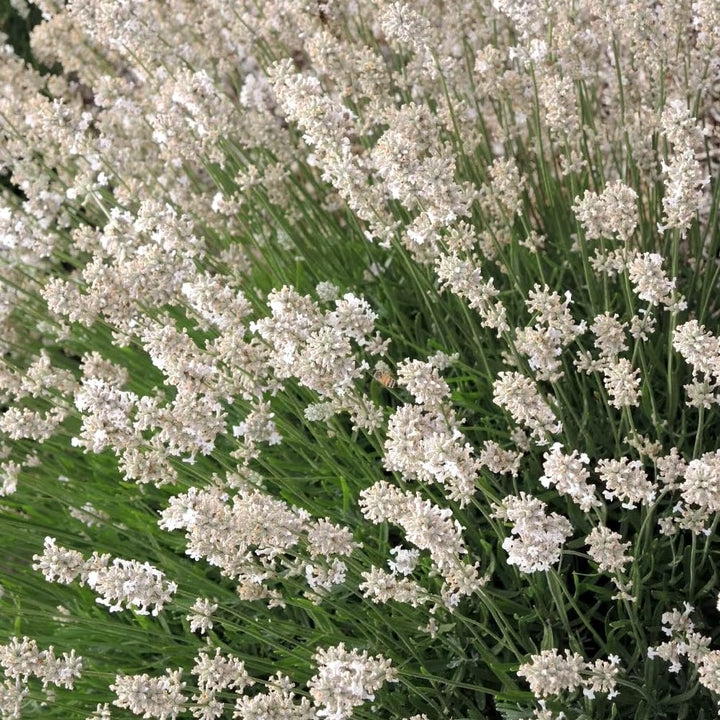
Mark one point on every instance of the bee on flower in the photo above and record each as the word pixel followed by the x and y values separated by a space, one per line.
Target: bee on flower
pixel 383 375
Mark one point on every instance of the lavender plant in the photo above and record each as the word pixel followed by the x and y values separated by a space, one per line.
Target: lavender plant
pixel 359 360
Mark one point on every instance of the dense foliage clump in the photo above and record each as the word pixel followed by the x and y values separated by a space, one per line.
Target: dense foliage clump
pixel 359 359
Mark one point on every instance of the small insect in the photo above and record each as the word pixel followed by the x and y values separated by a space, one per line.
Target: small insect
pixel 384 377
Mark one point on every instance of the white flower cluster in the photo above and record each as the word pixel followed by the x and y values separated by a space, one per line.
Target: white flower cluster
pixel 129 584
pixel 381 586
pixel 557 97
pixel 161 698
pixel 214 302
pixel 520 396
pixel 215 674
pixel 21 658
pixel 346 679
pixel 200 617
pixel 553 331
pixel 315 347
pixel 297 339
pixel 402 24
pixel 424 443
pixel 500 461
pixel 464 277
pixel 627 481
pixel 386 120
pixel 58 564
pixel 120 584
pixel 686 642
pixel 701 350
pixel 536 540
pixel 569 476
pixel 505 199
pixel 608 550
pixel 551 674
pixel 9 476
pixel 139 262
pixel 252 537
pixel 428 527
pixel 423 381
pixel 327 126
pixel 683 174
pixel 278 702
pixel 611 213
pixel 621 381
pixel 416 166
pixel 700 492
pixel 609 337
pixel 119 419
pixel 699 347
pixel 651 283
pixel 40 381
